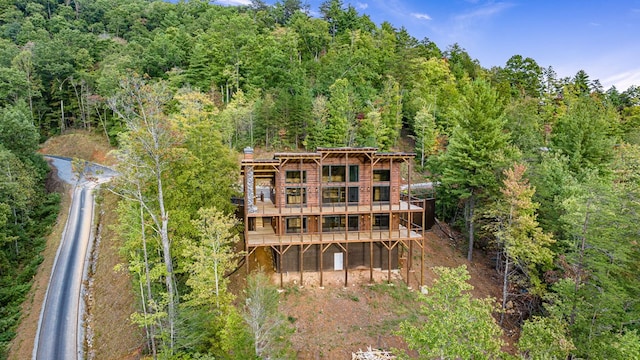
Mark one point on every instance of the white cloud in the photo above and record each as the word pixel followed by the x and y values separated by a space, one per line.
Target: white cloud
pixel 234 2
pixel 421 16
pixel 362 6
pixel 484 11
pixel 623 80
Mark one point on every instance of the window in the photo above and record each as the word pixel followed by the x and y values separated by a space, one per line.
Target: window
pixel 354 173
pixel 353 223
pixel 296 196
pixel 293 224
pixel 296 177
pixel 331 223
pixel 354 194
pixel 333 195
pixel 333 173
pixel 381 175
pixel 381 222
pixel 381 194
pixel 336 223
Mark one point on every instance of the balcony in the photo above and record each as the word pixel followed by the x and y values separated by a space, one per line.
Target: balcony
pixel 267 208
pixel 267 237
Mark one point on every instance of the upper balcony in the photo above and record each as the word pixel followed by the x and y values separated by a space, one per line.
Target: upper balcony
pixel 265 207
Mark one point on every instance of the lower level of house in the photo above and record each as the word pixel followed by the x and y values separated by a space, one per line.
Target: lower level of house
pixel 318 257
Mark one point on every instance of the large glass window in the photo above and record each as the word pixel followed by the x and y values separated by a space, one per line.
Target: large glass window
pixel 354 173
pixel 381 175
pixel 381 194
pixel 333 195
pixel 296 177
pixel 294 224
pixel 333 173
pixel 381 222
pixel 338 195
pixel 331 223
pixel 335 223
pixel 296 196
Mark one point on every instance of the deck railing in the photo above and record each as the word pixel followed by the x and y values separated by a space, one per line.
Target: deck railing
pixel 266 238
pixel 266 207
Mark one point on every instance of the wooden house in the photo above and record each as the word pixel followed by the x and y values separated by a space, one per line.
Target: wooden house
pixel 335 209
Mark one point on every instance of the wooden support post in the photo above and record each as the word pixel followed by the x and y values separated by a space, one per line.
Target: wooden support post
pixel 280 266
pixel 389 262
pixel 422 264
pixel 346 264
pixel 301 264
pixel 408 263
pixel 246 261
pixel 321 261
pixel 371 260
pixel 424 219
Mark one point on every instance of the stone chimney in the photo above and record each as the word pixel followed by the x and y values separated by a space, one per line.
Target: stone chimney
pixel 248 153
pixel 249 181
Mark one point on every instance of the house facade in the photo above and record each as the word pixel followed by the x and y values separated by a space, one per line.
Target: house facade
pixel 335 209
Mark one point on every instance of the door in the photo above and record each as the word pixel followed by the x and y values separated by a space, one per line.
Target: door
pixel 337 261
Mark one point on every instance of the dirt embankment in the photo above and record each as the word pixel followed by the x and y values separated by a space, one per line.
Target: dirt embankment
pixel 333 321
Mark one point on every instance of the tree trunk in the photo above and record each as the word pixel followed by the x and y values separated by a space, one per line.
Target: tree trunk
pixel 151 330
pixel 166 250
pixel 578 280
pixel 471 202
pixel 505 285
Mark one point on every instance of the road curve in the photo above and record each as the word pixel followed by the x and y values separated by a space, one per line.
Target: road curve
pixel 60 334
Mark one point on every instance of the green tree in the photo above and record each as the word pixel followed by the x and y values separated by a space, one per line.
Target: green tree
pixel 598 293
pixel 391 113
pixel 147 149
pixel 456 325
pixel 432 85
pixel 553 181
pixel 476 152
pixel 317 125
pixel 266 323
pixel 426 134
pixel 17 131
pixel 584 134
pixel 370 131
pixel 523 76
pixel 545 338
pixel 522 242
pixel 211 258
pixel 526 126
pixel 340 123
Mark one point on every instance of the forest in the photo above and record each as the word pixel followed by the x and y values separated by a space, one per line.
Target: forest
pixel 542 171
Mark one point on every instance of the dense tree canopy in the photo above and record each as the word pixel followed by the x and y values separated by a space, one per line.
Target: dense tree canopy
pixel 219 78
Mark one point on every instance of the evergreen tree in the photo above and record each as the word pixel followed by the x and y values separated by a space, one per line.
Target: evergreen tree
pixel 457 326
pixel 476 152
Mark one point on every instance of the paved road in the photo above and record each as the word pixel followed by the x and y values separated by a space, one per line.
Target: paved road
pixel 60 333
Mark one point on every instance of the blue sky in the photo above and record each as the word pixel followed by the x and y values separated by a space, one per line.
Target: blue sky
pixel 601 37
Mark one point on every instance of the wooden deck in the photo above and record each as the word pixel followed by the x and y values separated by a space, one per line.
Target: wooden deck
pixel 267 208
pixel 265 236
